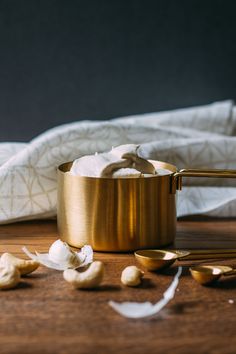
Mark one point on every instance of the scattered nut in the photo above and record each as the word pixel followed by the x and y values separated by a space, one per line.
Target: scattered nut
pixel 88 279
pixel 131 276
pixel 9 277
pixel 24 266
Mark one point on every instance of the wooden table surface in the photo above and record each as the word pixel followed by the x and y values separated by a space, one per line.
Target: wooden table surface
pixel 45 315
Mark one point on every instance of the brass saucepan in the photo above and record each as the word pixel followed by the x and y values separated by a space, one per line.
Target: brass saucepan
pixel 122 214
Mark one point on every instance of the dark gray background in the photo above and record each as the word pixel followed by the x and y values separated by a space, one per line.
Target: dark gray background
pixel 62 61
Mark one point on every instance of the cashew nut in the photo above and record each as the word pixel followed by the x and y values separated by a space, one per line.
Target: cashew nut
pixel 88 279
pixel 9 277
pixel 131 276
pixel 24 266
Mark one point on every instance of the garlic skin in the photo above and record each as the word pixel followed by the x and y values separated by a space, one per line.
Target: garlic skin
pixel 61 257
pixel 59 252
pixel 131 309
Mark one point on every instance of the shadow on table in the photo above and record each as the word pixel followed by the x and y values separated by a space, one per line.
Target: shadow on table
pixel 171 271
pixel 225 283
pixel 183 307
pixel 24 285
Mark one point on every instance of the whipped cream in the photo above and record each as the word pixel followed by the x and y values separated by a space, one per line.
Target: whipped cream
pixel 121 162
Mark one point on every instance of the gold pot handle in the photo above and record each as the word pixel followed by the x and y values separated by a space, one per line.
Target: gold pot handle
pixel 177 177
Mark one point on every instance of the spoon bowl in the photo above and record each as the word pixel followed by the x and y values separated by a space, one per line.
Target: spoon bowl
pixel 206 275
pixel 158 259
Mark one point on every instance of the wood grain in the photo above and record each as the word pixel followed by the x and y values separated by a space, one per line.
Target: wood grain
pixel 44 315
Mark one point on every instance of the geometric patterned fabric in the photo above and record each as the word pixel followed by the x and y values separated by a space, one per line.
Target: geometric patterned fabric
pixel 199 137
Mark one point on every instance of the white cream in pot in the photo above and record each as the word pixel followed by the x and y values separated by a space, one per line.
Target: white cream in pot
pixel 121 162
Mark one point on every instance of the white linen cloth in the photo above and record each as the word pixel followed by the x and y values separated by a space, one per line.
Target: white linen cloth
pixel 200 137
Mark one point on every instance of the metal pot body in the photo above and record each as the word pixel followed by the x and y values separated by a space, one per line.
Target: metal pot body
pixel 116 214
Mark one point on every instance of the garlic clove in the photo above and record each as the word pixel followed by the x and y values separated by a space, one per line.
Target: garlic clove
pixel 131 276
pixel 61 257
pixel 60 253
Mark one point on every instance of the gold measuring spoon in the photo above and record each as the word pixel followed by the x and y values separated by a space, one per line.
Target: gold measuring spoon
pixel 159 259
pixel 208 274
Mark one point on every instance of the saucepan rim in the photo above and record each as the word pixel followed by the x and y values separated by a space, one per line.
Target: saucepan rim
pixel 64 167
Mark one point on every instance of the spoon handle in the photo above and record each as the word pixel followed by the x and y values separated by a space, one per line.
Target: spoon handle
pixel 209 254
pixel 231 272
